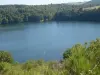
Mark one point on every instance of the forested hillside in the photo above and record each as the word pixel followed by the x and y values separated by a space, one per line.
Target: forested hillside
pixel 41 13
pixel 96 1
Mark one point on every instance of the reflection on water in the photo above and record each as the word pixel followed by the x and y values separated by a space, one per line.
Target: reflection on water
pixel 45 40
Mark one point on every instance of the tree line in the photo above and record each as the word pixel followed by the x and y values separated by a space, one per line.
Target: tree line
pixel 40 13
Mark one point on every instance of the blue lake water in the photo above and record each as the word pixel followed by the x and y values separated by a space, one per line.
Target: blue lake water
pixel 46 41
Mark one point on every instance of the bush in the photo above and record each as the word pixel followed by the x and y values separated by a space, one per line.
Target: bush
pixel 83 60
pixel 4 66
pixel 27 66
pixel 67 53
pixel 5 57
pixel 78 60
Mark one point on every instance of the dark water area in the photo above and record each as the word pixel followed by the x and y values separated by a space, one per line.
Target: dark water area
pixel 46 41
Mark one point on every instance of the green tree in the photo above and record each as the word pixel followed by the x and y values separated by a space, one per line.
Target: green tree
pixel 25 19
pixel 0 20
pixel 4 21
pixel 67 54
pixel 5 57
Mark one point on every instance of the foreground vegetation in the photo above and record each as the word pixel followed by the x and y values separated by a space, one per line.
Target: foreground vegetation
pixel 40 13
pixel 78 60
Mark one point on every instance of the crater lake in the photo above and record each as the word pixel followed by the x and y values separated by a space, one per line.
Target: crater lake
pixel 46 40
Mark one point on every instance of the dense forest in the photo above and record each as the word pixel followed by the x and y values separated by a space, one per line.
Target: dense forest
pixel 41 13
pixel 78 60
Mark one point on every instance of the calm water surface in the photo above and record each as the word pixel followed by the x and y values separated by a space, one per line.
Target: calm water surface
pixel 45 41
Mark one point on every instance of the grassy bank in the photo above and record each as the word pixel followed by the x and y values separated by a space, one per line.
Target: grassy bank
pixel 78 60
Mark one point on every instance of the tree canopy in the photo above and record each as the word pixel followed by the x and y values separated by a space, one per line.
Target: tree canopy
pixel 40 13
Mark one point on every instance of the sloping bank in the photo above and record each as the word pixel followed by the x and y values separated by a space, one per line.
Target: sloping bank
pixel 78 60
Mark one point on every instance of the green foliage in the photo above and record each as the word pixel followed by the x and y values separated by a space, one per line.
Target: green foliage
pixel 40 13
pixel 28 66
pixel 4 67
pixel 4 21
pixel 0 19
pixel 84 60
pixel 5 57
pixel 78 60
pixel 66 54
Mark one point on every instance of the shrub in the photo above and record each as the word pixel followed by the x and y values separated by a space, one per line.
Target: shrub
pixel 67 53
pixel 83 60
pixel 27 66
pixel 5 57
pixel 4 66
pixel 78 60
